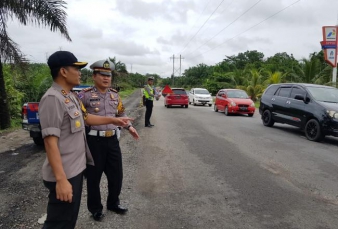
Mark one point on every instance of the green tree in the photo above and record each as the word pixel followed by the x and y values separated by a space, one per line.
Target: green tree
pixel 309 69
pixel 255 88
pixel 40 12
pixel 273 78
pixel 195 76
pixel 119 74
pixel 240 61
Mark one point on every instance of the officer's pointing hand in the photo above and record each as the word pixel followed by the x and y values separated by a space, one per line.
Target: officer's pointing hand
pixel 134 133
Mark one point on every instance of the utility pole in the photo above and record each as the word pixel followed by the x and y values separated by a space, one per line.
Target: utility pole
pixel 176 70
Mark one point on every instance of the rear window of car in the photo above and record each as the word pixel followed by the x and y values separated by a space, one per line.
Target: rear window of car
pixel 179 91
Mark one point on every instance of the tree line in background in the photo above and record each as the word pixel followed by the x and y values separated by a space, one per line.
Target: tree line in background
pixel 248 71
pixel 251 72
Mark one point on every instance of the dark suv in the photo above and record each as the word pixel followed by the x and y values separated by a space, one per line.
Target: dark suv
pixel 311 107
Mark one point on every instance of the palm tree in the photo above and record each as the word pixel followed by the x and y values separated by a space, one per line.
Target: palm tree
pixel 255 87
pixel 309 69
pixel 39 12
pixel 273 78
pixel 120 70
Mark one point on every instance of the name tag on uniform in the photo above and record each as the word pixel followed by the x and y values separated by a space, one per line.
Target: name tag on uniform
pixel 91 100
pixel 71 107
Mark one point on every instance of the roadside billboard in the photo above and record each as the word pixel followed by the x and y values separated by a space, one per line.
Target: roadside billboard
pixel 329 44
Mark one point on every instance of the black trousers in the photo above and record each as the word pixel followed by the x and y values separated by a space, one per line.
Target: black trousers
pixel 107 157
pixel 149 110
pixel 61 214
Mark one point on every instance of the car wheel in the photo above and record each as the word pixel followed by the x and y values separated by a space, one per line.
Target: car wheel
pixel 267 118
pixel 250 115
pixel 182 106
pixel 313 131
pixel 226 111
pixel 209 105
pixel 193 102
pixel 186 106
pixel 168 106
pixel 215 108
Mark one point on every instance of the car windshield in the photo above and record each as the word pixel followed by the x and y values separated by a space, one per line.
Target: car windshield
pixel 179 92
pixel 324 94
pixel 202 92
pixel 238 94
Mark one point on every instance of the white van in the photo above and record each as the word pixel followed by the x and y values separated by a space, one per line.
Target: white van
pixel 200 96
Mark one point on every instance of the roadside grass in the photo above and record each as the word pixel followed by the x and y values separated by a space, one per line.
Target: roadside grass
pixel 257 104
pixel 15 125
pixel 126 93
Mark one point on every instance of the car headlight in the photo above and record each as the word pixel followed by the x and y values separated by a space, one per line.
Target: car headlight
pixel 333 114
pixel 252 105
pixel 232 104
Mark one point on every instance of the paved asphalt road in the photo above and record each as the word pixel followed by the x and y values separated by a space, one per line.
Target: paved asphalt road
pixel 201 169
pixel 197 169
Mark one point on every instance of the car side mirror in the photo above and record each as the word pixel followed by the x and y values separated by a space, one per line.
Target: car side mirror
pixel 301 97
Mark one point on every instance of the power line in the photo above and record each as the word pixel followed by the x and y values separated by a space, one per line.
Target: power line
pixel 199 16
pixel 249 28
pixel 202 25
pixel 227 26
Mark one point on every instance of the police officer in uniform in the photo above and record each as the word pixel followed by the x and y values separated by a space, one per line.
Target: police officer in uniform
pixel 149 96
pixel 103 141
pixel 62 119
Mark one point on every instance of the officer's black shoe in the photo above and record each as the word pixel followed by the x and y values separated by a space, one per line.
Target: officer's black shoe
pixel 151 125
pixel 98 216
pixel 118 210
pixel 148 125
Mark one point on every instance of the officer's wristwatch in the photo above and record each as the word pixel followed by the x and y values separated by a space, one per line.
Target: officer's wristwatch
pixel 128 127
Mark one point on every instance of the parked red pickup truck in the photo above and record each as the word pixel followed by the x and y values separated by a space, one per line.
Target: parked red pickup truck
pixel 31 121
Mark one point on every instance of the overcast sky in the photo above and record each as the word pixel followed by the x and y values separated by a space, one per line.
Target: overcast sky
pixel 144 34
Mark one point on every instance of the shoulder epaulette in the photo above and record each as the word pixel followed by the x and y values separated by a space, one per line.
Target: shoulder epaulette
pixel 87 89
pixel 114 90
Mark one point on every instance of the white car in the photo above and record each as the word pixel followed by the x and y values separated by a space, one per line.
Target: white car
pixel 200 96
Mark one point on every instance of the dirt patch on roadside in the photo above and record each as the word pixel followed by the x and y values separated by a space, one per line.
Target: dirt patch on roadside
pixel 9 141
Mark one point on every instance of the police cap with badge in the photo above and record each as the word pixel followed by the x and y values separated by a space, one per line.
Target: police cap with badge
pixel 103 67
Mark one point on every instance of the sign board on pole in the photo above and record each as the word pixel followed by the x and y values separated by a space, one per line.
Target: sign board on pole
pixel 330 33
pixel 329 44
pixel 330 55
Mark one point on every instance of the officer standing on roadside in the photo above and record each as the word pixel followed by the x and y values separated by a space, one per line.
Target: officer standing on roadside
pixel 103 141
pixel 149 96
pixel 62 119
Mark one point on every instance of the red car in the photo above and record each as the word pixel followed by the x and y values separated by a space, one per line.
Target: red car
pixel 234 101
pixel 177 97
